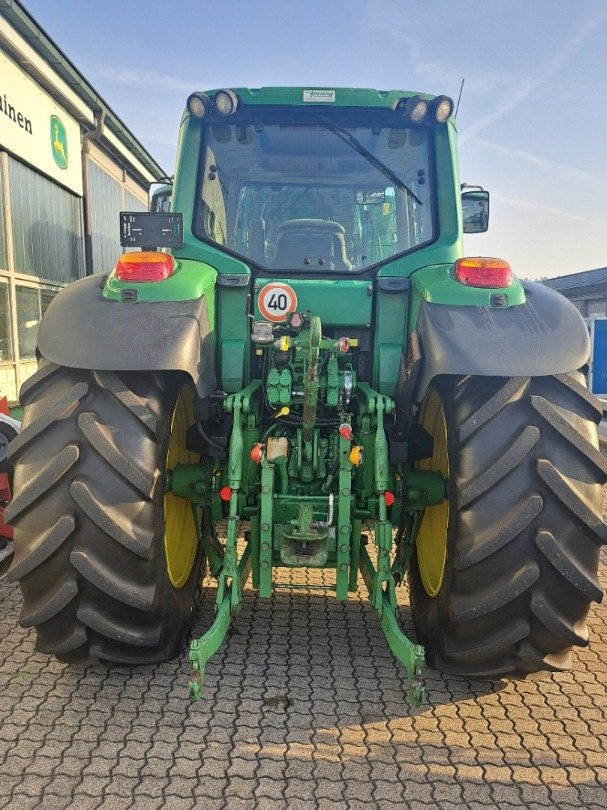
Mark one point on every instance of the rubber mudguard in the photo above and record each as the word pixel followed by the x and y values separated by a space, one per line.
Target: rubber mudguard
pixel 544 336
pixel 82 329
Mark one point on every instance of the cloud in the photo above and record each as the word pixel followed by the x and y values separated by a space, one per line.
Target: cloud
pixel 140 77
pixel 544 209
pixel 480 80
pixel 570 172
pixel 531 83
pixel 384 18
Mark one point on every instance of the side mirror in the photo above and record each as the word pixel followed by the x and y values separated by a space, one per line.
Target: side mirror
pixel 160 197
pixel 475 211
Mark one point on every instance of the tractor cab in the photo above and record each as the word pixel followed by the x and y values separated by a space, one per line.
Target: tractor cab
pixel 316 191
pixel 332 188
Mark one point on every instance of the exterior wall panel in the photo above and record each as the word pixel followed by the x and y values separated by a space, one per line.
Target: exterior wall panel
pixel 47 226
pixel 108 196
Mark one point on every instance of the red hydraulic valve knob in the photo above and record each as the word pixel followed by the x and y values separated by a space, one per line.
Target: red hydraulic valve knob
pixel 225 493
pixel 345 431
pixel 257 453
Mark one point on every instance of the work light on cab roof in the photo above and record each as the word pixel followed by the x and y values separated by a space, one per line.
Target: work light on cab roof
pixel 226 102
pixel 442 107
pixel 416 109
pixel 198 104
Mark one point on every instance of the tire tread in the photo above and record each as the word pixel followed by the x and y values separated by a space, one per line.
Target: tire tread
pixel 87 517
pixel 525 527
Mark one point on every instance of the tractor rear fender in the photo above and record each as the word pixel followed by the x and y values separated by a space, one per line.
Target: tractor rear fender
pixel 546 335
pixel 82 329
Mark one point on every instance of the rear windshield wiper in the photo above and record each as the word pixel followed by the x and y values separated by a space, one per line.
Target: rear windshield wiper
pixel 346 137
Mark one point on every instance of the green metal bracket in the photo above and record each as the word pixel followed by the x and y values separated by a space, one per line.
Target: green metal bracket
pixel 201 649
pixel 355 544
pixel 424 488
pixel 344 526
pixel 311 381
pixel 233 573
pixel 265 533
pixel 368 399
pixel 383 527
pixel 404 650
pixel 246 398
pixel 187 481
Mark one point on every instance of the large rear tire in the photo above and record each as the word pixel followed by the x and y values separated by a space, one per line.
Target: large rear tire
pixel 101 578
pixel 507 585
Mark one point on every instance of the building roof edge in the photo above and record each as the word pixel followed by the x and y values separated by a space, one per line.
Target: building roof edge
pixel 39 40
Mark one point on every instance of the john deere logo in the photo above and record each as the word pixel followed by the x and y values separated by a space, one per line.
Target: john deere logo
pixel 59 142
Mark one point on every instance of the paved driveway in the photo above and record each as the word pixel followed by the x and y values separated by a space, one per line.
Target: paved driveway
pixel 303 708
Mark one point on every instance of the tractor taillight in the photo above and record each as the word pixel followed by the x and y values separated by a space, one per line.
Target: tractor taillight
pixel 145 265
pixel 481 271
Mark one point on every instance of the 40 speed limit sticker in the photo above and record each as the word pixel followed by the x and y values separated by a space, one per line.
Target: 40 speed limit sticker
pixel 276 301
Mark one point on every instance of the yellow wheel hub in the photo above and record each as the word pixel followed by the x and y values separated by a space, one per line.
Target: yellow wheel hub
pixel 180 537
pixel 431 543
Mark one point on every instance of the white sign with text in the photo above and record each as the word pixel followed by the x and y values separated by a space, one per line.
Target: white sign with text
pixel 35 128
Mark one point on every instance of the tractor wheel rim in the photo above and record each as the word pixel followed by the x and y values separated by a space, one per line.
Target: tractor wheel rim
pixel 180 536
pixel 431 542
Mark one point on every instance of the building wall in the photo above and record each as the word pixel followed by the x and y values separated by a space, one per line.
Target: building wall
pixel 110 191
pixel 590 306
pixel 41 217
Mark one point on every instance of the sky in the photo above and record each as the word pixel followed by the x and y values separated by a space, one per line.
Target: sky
pixel 532 121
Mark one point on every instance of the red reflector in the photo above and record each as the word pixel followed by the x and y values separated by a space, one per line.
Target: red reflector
pixel 225 493
pixel 145 266
pixel 483 272
pixel 389 498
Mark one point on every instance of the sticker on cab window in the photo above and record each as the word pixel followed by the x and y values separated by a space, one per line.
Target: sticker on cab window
pixel 319 96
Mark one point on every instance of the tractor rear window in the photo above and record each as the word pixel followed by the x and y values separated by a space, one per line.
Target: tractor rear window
pixel 317 196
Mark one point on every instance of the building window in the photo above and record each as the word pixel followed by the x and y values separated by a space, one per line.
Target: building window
pixel 580 305
pixel 107 198
pixel 32 303
pixel 28 320
pixel 47 226
pixel 3 260
pixel 104 207
pixel 133 203
pixel 46 296
pixel 6 346
pixel 595 306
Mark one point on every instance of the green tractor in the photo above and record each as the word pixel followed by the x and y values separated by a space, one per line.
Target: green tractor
pixel 301 355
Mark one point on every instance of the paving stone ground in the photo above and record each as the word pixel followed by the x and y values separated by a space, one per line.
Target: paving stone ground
pixel 303 708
